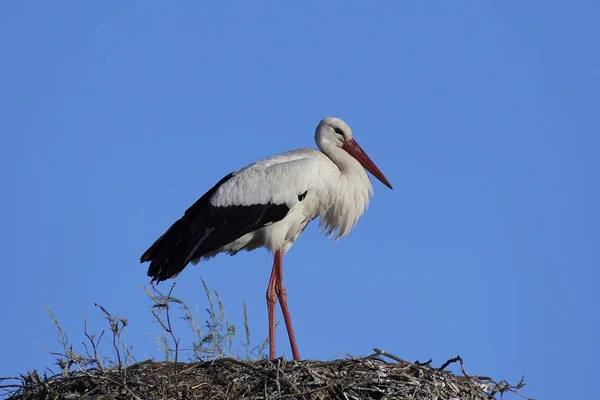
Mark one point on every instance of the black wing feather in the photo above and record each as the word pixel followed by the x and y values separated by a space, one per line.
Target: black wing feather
pixel 205 228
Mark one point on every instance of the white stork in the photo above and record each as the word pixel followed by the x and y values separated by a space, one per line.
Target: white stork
pixel 268 204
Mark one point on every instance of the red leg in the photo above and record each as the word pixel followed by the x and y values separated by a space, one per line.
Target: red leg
pixel 282 296
pixel 271 300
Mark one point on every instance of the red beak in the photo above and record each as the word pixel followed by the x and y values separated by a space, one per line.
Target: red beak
pixel 359 154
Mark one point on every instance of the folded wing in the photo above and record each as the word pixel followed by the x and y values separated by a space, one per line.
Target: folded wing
pixel 240 203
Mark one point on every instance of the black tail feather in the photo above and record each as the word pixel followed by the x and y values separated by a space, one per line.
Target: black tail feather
pixel 168 255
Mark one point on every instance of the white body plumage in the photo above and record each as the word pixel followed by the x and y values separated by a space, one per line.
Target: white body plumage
pixel 338 197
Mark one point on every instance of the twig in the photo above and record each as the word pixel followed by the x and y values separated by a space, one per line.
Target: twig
pixel 388 355
pixel 94 344
pixel 450 361
pixel 169 329
pixel 423 364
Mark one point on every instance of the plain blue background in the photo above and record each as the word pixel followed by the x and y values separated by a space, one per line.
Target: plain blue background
pixel 484 115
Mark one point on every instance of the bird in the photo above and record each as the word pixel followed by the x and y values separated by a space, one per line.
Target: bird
pixel 268 204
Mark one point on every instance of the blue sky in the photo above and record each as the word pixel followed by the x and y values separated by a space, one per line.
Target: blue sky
pixel 483 115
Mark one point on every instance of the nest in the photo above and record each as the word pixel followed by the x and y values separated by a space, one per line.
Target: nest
pixel 378 376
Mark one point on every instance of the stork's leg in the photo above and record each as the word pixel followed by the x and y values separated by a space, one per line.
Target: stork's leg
pixel 282 296
pixel 271 300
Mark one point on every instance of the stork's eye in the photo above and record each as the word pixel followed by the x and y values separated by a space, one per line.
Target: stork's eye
pixel 339 132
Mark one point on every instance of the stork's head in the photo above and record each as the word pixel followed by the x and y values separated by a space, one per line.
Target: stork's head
pixel 333 130
pixel 334 133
